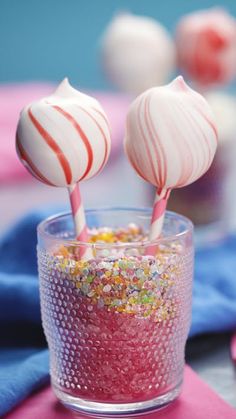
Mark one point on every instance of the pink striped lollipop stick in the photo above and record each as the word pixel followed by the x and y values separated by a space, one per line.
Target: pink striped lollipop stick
pixel 79 220
pixel 158 215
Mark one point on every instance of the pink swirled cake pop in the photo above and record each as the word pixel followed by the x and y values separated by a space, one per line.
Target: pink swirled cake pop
pixel 170 140
pixel 63 139
pixel 206 46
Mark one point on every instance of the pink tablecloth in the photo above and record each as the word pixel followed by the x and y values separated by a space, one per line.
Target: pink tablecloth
pixel 197 401
pixel 14 96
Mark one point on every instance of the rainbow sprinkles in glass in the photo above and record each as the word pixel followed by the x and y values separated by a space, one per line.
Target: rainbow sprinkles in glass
pixel 116 324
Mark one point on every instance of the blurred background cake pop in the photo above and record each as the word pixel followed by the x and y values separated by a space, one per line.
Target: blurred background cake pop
pixel 224 108
pixel 137 53
pixel 209 199
pixel 206 46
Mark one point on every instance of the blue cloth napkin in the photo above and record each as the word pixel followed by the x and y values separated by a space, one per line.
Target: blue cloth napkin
pixel 23 357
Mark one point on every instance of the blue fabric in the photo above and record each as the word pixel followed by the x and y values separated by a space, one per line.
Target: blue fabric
pixel 214 292
pixel 23 357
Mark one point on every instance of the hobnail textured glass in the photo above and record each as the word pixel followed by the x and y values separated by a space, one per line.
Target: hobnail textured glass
pixel 117 359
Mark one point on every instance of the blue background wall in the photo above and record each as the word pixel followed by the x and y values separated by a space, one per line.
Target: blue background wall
pixel 48 39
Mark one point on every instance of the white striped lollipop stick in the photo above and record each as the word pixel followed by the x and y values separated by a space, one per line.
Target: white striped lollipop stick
pixel 158 215
pixel 79 220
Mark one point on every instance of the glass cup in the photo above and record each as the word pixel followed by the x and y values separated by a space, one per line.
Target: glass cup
pixel 117 321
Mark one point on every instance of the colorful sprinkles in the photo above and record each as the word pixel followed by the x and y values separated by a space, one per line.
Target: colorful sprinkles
pixel 137 285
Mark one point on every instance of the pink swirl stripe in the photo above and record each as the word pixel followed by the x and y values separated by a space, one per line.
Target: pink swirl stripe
pixel 150 157
pixel 102 133
pixel 54 146
pixel 29 163
pixel 132 154
pixel 185 149
pixel 103 116
pixel 82 136
pixel 209 122
pixel 159 156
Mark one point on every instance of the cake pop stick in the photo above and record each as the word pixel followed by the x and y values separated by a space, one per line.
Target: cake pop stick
pixel 77 209
pixel 62 140
pixel 170 141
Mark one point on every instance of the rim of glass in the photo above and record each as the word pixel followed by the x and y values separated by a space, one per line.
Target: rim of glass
pixel 142 210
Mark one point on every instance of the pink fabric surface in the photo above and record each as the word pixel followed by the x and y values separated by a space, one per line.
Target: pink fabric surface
pixel 12 99
pixel 233 347
pixel 197 401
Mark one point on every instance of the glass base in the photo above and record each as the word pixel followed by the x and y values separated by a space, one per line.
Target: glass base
pixel 118 410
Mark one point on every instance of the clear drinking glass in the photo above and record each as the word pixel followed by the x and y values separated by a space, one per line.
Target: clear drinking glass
pixel 117 321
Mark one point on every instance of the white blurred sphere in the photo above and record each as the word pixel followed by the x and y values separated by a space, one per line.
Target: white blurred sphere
pixel 137 53
pixel 223 106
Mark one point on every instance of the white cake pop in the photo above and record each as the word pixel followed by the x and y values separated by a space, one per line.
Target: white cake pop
pixel 63 138
pixel 137 53
pixel 171 140
pixel 224 108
